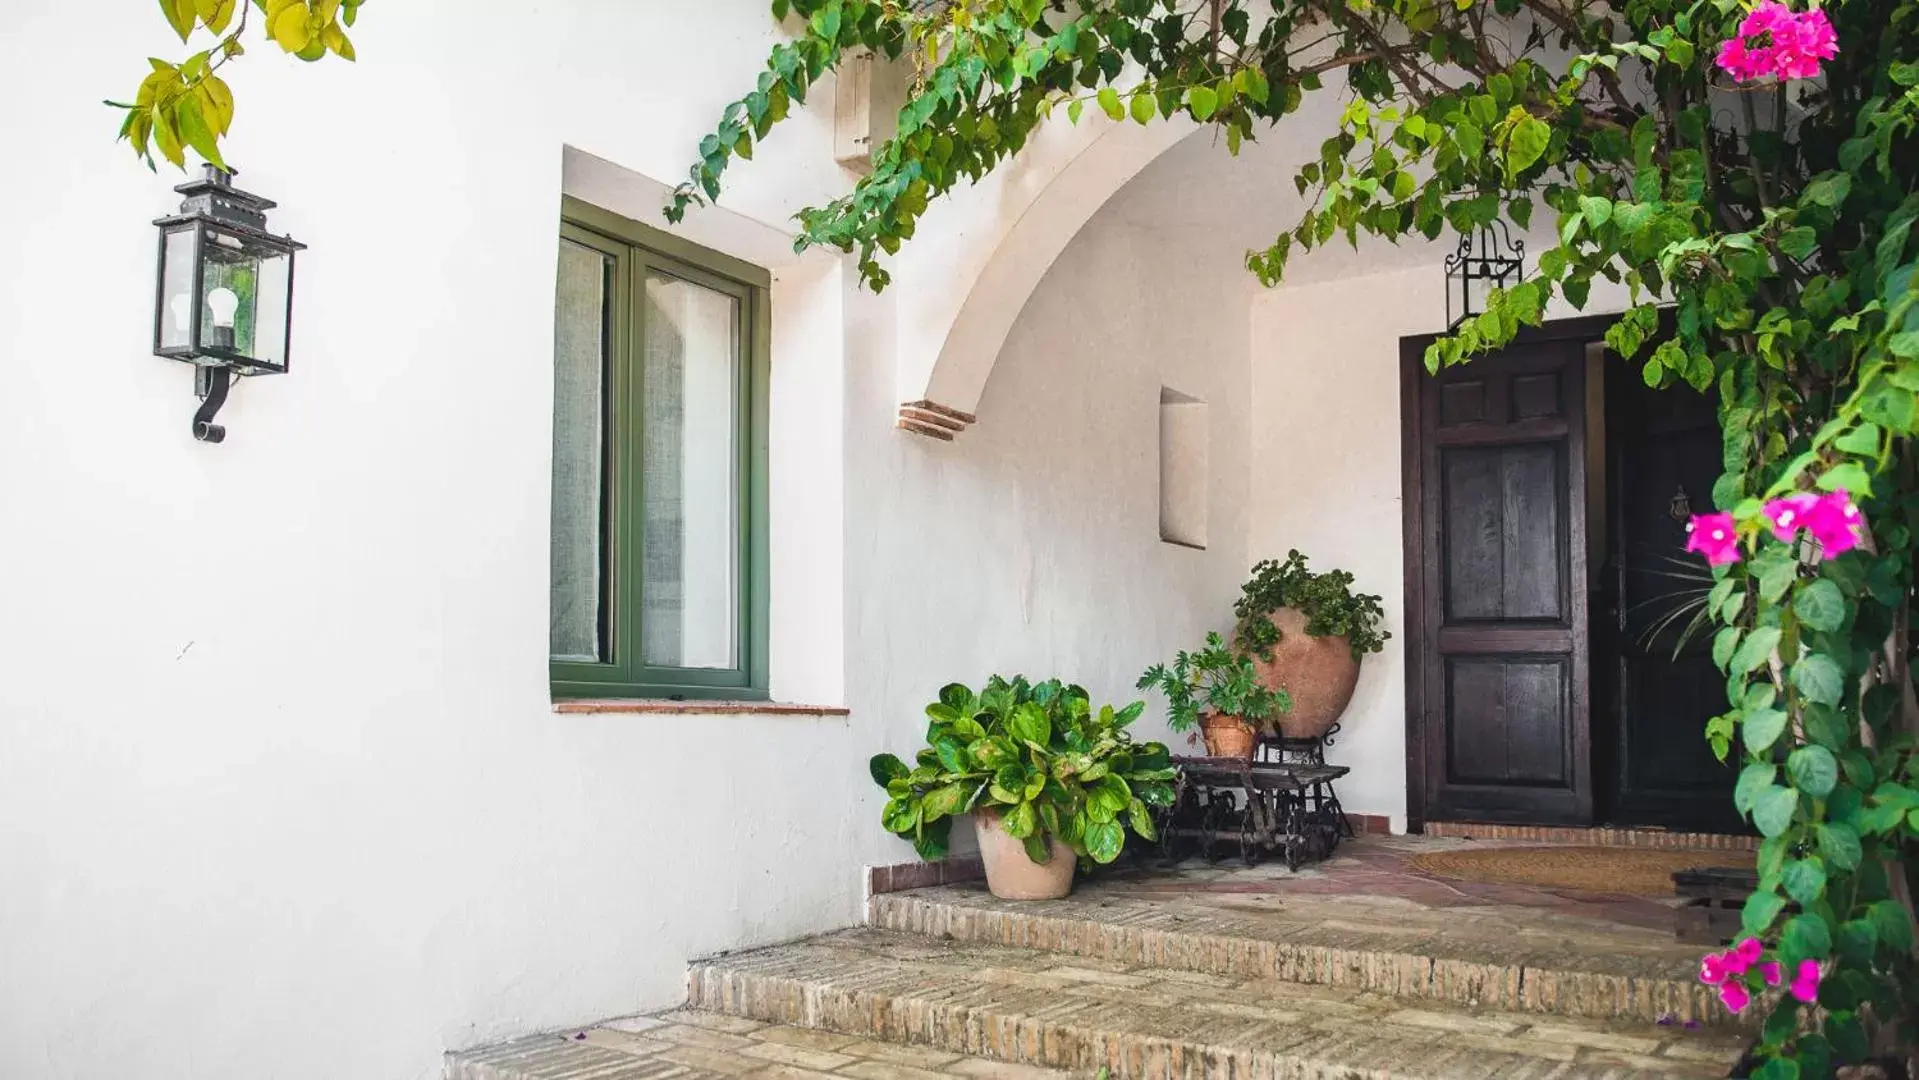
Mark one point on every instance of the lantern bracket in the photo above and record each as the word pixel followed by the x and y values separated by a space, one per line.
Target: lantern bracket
pixel 210 384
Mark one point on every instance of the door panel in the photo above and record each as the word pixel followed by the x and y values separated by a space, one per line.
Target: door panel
pixel 1500 641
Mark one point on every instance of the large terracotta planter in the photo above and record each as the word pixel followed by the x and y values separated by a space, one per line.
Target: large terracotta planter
pixel 1319 672
pixel 1010 873
pixel 1226 737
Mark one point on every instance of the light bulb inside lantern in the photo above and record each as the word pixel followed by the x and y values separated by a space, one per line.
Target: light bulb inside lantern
pixel 223 303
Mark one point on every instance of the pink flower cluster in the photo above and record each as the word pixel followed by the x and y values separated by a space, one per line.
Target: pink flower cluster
pixel 1773 40
pixel 1832 519
pixel 1727 971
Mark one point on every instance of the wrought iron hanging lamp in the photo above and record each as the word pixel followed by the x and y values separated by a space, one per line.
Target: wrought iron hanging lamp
pixel 225 299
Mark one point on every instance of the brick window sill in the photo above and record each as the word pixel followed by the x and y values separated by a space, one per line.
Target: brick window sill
pixel 692 708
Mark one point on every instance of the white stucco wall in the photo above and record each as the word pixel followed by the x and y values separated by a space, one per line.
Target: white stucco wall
pixel 1031 544
pixel 281 792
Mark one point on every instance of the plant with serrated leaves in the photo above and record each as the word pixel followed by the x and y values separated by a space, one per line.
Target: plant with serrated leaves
pixel 1327 600
pixel 1215 679
pixel 1772 219
pixel 1041 757
pixel 188 105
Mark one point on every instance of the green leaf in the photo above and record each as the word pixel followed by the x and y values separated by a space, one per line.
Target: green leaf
pixel 1806 938
pixel 1037 849
pixel 1143 107
pixel 946 801
pixel 1760 910
pixel 1839 845
pixel 885 768
pixel 1104 840
pixel 1723 644
pixel 1805 880
pixel 1820 605
pixel 1020 821
pixel 1772 810
pixel 1753 779
pixel 180 15
pixel 1755 650
pixel 1892 924
pixel 1848 475
pixel 1595 209
pixel 1761 728
pixel 1820 678
pixel 1203 100
pixel 1776 571
pixel 1109 102
pixel 1530 137
pixel 1029 725
pixel 1813 770
pixel 1630 218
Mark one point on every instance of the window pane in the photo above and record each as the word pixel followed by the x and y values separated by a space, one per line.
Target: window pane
pixel 689 381
pixel 577 630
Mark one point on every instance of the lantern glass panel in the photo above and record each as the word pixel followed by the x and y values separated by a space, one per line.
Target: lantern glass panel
pixel 179 256
pixel 243 298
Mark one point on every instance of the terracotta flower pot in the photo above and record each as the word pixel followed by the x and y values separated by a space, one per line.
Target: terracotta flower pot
pixel 1226 737
pixel 1319 672
pixel 1010 873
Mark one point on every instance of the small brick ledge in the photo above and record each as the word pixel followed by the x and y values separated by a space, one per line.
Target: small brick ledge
pixel 1601 837
pixel 700 708
pixel 933 420
pixel 900 877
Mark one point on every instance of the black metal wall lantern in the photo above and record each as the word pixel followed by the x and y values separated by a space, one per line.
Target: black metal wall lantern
pixel 1488 258
pixel 225 302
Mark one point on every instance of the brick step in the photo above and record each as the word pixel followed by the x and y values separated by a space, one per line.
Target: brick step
pixel 687 1044
pixel 1038 1008
pixel 1494 957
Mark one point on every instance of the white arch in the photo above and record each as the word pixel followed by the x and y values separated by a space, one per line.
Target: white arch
pixel 978 254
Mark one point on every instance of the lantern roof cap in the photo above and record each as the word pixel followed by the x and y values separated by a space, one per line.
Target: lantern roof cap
pixel 212 197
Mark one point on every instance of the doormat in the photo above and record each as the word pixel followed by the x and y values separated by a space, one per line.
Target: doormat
pixel 1632 871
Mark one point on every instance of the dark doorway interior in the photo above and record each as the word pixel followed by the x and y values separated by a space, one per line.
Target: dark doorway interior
pixel 1550 677
pixel 1654 680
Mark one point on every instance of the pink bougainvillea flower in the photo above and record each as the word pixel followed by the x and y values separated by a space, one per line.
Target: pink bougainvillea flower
pixel 1798 48
pixel 1833 520
pixel 1712 969
pixel 1805 984
pixel 1734 996
pixel 1714 536
pixel 1744 955
pixel 1789 513
pixel 1742 63
pixel 1770 969
pixel 1773 40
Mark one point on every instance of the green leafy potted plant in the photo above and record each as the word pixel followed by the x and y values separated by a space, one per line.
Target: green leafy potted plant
pixel 1307 633
pixel 1218 690
pixel 1049 780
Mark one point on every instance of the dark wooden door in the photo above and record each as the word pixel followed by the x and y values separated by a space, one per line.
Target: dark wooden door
pixel 1500 643
pixel 1659 685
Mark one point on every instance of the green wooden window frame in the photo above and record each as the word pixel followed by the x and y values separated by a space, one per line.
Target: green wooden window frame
pixel 633 250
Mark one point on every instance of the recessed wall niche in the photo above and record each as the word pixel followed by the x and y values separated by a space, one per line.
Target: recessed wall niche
pixel 1184 471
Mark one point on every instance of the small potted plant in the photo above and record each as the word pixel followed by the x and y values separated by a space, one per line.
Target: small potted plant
pixel 1219 691
pixel 1307 633
pixel 1050 782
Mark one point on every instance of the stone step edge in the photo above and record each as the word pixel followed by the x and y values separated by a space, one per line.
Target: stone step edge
pixel 1596 995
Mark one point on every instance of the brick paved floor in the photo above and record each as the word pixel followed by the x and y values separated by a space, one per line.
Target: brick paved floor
pixel 1377 866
